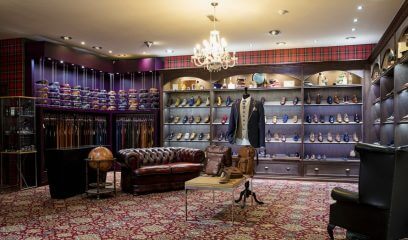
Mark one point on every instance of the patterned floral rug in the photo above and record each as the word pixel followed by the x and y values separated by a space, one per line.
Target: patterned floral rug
pixel 292 210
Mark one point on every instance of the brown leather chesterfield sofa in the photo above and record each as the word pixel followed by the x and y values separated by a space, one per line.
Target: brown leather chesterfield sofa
pixel 158 169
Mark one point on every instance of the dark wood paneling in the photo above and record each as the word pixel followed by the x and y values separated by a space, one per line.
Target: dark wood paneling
pixel 399 18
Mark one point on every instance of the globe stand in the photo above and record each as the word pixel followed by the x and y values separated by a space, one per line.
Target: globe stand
pixel 99 188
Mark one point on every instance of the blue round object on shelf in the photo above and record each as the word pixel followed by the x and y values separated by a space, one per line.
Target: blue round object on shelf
pixel 258 78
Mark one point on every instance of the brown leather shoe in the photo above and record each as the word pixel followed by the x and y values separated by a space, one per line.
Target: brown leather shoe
pixel 225 177
pixel 354 99
pixel 191 119
pixel 318 99
pixel 207 119
pixel 336 99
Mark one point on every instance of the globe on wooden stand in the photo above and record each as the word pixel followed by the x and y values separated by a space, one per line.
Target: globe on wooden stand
pixel 100 157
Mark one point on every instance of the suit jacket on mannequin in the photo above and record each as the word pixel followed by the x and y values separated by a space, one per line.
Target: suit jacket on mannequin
pixel 256 123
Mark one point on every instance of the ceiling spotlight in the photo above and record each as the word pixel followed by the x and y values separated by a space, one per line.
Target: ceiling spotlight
pixel 360 7
pixel 169 51
pixel 82 43
pixel 97 47
pixel 122 55
pixel 353 29
pixel 73 64
pixel 61 61
pixel 315 41
pixel 100 71
pixel 350 38
pixel 110 51
pixel 49 59
pixel 66 37
pixel 283 12
pixel 82 67
pixel 148 43
pixel 251 45
pixel 355 20
pixel 281 43
pixel 144 53
pixel 274 32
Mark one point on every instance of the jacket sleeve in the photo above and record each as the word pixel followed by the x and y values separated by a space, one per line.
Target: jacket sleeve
pixel 261 123
pixel 231 125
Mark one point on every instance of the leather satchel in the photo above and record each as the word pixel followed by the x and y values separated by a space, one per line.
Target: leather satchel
pixel 224 150
pixel 246 157
pixel 214 164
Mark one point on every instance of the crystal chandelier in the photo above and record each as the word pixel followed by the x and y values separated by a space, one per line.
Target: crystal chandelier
pixel 213 55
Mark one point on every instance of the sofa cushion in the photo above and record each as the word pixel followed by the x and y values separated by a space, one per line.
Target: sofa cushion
pixel 185 167
pixel 150 170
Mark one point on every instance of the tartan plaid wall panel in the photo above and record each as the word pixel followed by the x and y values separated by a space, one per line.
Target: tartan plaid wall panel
pixel 12 67
pixel 296 55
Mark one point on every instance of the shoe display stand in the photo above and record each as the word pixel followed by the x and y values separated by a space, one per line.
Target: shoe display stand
pixel 18 143
pixel 387 98
pixel 285 154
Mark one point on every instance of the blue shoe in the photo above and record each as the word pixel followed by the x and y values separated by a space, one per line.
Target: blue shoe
pixel 285 118
pixel 329 100
pixel 356 118
pixel 346 137
pixel 331 119
pixel 296 138
pixel 191 102
pixel 229 101
pixel 322 120
pixel 185 119
pixel 308 119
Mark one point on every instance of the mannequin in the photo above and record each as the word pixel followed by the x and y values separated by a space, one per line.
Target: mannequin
pixel 247 128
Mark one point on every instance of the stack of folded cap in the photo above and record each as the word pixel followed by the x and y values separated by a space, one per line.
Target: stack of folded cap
pixel 41 92
pixel 112 100
pixel 123 103
pixel 65 95
pixel 54 93
pixel 103 99
pixel 94 99
pixel 133 102
pixel 86 98
pixel 76 96
pixel 144 100
pixel 154 95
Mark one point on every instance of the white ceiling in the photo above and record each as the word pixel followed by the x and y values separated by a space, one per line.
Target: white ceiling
pixel 123 25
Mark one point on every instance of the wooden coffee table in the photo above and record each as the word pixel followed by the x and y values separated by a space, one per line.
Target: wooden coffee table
pixel 212 183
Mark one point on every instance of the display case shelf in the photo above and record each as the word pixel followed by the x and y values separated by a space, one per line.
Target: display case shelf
pixel 335 123
pixel 335 86
pixel 334 105
pixel 326 142
pixel 187 91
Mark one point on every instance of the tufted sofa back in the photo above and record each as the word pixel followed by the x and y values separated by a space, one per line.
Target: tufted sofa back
pixel 139 157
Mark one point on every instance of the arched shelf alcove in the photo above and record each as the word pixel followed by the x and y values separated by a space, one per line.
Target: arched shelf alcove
pixel 388 59
pixel 260 81
pixel 403 43
pixel 334 77
pixel 187 84
pixel 375 71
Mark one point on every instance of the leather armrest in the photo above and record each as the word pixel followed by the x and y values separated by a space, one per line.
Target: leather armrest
pixel 128 158
pixel 344 195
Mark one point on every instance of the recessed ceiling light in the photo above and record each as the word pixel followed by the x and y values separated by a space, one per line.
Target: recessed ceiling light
pixel 283 12
pixel 360 7
pixel 82 43
pixel 82 67
pixel 110 51
pixel 315 41
pixel 66 37
pixel 73 64
pixel 100 71
pixel 251 45
pixel 49 59
pixel 97 47
pixel 144 53
pixel 61 61
pixel 355 20
pixel 122 55
pixel 353 29
pixel 169 51
pixel 281 43
pixel 350 38
pixel 274 32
